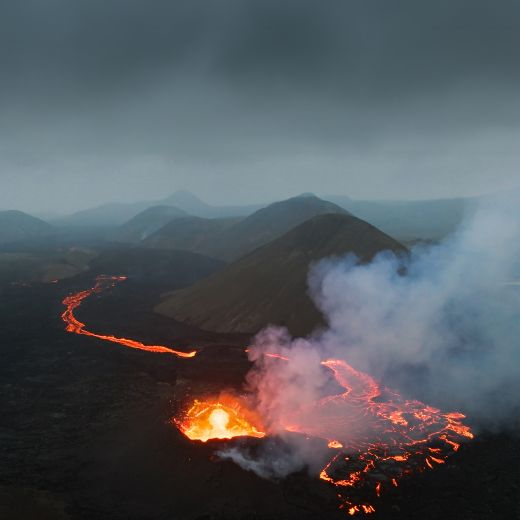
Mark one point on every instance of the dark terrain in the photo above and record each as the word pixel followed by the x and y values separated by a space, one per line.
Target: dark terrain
pixel 86 424
pixel 230 239
pixel 86 434
pixel 269 285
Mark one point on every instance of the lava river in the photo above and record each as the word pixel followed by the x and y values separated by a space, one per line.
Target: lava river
pixel 75 326
pixel 375 436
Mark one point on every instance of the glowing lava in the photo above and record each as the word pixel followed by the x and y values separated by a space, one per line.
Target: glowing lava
pixel 215 420
pixel 75 326
pixel 378 436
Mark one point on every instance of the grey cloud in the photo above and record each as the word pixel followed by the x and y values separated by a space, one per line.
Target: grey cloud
pixel 228 88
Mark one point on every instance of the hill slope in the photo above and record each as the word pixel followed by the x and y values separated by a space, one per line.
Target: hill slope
pixel 230 240
pixel 106 215
pixel 271 222
pixel 16 226
pixel 270 284
pixel 176 268
pixel 147 222
pixel 194 206
pixel 199 235
pixel 117 213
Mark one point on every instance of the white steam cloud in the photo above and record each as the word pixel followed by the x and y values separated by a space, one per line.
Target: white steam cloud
pixel 449 329
pixel 442 325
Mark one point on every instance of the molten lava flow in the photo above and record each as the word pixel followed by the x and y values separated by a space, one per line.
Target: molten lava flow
pixel 216 420
pixel 378 437
pixel 73 301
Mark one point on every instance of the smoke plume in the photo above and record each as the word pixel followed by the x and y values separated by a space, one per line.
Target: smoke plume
pixel 447 331
pixel 441 325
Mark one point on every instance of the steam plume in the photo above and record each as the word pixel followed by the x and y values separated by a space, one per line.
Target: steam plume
pixel 447 331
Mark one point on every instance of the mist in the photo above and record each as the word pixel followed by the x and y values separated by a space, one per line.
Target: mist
pixel 440 325
pixel 129 100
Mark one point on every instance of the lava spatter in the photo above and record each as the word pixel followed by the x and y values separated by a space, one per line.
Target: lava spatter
pixel 75 326
pixel 207 420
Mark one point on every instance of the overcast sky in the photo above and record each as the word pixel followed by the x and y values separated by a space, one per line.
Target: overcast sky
pixel 255 100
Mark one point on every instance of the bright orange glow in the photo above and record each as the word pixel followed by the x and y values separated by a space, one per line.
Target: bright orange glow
pixel 402 431
pixel 216 420
pixel 75 326
pixel 373 430
pixel 376 429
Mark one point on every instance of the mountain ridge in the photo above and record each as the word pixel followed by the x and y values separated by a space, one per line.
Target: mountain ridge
pixel 231 240
pixel 16 226
pixel 269 285
pixel 147 222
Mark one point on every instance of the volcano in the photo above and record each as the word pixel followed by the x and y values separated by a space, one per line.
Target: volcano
pixel 75 326
pixel 270 284
pixel 229 239
pixel 366 426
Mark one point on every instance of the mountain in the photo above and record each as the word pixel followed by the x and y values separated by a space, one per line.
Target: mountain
pixel 106 215
pixel 116 214
pixel 405 220
pixel 231 240
pixel 194 206
pixel 199 235
pixel 16 226
pixel 270 284
pixel 271 222
pixel 147 222
pixel 189 203
pixel 409 220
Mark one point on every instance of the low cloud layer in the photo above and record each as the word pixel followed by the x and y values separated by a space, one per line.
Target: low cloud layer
pixel 130 99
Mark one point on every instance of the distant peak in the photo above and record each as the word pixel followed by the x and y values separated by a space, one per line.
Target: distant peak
pixel 185 195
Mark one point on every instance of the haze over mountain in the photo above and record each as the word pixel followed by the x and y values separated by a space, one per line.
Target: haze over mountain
pixel 246 100
pixel 147 222
pixel 269 285
pixel 229 240
pixel 403 219
pixel 191 204
pixel 107 215
pixel 118 213
pixel 200 235
pixel 16 226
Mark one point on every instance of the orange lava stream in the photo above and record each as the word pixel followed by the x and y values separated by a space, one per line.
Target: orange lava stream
pixel 378 436
pixel 75 326
pixel 216 420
